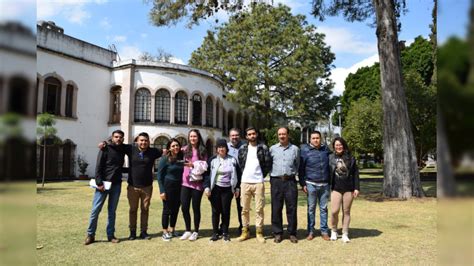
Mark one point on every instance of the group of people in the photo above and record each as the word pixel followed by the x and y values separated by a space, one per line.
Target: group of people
pixel 237 170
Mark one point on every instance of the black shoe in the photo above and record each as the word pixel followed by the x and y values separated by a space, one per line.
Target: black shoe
pixel 145 235
pixel 219 232
pixel 226 238
pixel 133 235
pixel 278 238
pixel 240 230
pixel 113 239
pixel 214 237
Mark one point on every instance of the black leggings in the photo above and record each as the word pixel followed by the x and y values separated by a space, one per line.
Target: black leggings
pixel 188 194
pixel 221 199
pixel 171 204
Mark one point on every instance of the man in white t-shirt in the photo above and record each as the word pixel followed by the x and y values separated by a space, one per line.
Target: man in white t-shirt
pixel 255 163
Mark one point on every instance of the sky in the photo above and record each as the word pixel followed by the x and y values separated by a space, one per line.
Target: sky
pixel 126 24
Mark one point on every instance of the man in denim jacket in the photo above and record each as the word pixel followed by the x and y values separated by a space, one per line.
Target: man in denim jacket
pixel 314 178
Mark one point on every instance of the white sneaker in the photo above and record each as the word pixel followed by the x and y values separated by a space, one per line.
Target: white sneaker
pixel 185 236
pixel 166 237
pixel 333 235
pixel 345 238
pixel 193 236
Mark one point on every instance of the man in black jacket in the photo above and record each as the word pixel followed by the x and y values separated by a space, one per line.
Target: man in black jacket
pixel 108 169
pixel 255 163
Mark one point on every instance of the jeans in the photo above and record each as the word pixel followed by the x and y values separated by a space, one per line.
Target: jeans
pixel 221 199
pixel 97 203
pixel 169 216
pixel 318 194
pixel 187 195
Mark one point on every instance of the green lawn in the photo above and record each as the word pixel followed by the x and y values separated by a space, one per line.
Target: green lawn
pixel 382 232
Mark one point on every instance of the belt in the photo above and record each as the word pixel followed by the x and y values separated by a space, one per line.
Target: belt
pixel 284 177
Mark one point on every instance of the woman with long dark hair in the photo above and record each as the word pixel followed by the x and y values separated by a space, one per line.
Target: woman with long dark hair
pixel 192 189
pixel 169 175
pixel 344 176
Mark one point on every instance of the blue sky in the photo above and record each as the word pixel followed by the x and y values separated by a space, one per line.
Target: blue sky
pixel 125 23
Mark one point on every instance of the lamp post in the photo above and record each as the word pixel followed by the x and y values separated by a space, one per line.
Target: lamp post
pixel 338 108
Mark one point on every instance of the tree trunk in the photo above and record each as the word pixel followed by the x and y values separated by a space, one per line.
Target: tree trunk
pixel 445 183
pixel 401 176
pixel 44 161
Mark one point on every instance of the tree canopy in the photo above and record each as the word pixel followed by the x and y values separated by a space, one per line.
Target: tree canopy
pixel 272 63
pixel 421 95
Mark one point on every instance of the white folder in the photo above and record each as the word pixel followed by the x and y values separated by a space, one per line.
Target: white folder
pixel 107 184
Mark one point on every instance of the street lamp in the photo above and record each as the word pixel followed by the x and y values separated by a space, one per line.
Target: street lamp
pixel 338 108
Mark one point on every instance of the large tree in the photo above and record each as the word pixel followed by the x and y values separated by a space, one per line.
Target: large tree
pixel 272 62
pixel 418 66
pixel 401 176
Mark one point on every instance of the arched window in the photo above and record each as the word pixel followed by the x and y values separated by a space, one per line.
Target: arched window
pixel 182 140
pixel 230 119
pixel 162 106
pixel 181 108
pixel 197 110
pixel 68 150
pixel 18 95
pixel 209 114
pixel 52 96
pixel 209 148
pixel 69 100
pixel 142 105
pixel 160 142
pixel 115 104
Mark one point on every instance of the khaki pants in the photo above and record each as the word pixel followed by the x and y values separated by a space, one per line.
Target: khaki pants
pixel 248 191
pixel 142 195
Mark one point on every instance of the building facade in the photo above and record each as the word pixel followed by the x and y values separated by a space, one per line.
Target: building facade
pixel 92 93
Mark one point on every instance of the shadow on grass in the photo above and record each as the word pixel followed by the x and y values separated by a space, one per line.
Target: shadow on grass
pixel 40 190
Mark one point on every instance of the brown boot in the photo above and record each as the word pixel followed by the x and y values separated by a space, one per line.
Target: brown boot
pixel 260 237
pixel 245 234
pixel 89 240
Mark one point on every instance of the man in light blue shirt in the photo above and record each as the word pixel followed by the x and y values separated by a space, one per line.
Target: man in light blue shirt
pixel 234 145
pixel 286 160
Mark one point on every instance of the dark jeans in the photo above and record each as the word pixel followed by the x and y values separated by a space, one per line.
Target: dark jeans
pixel 239 212
pixel 221 200
pixel 188 195
pixel 97 203
pixel 171 204
pixel 284 191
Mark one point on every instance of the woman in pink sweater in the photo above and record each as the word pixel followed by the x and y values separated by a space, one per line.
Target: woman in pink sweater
pixel 192 190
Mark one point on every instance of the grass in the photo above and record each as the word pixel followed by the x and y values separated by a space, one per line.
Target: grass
pixel 382 232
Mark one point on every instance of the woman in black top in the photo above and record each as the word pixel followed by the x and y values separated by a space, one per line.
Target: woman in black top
pixel 344 176
pixel 170 172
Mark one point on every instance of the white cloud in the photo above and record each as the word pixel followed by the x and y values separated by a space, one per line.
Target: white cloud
pixel 14 10
pixel 119 38
pixel 342 40
pixel 296 6
pixel 105 23
pixel 339 75
pixel 129 52
pixel 176 60
pixel 73 10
